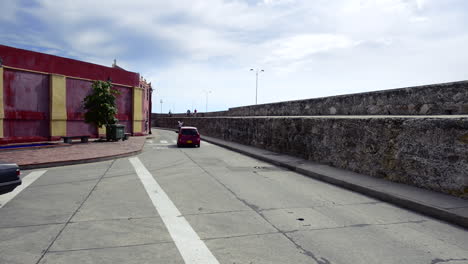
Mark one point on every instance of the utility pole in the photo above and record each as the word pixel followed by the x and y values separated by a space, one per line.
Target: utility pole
pixel 161 101
pixel 206 106
pixel 150 107
pixel 257 71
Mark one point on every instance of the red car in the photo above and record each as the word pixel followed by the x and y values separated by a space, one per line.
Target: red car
pixel 188 136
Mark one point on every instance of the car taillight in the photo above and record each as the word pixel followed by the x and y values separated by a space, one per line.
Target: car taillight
pixel 18 172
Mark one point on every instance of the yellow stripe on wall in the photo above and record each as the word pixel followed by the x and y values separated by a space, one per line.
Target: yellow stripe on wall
pixel 102 130
pixel 2 112
pixel 58 105
pixel 137 109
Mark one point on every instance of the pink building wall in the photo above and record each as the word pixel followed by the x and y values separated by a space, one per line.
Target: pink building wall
pixel 26 94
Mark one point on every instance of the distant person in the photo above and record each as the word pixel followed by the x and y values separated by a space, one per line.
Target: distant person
pixel 170 113
pixel 195 112
pixel 188 112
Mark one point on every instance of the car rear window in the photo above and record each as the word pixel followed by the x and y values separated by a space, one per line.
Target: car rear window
pixel 191 132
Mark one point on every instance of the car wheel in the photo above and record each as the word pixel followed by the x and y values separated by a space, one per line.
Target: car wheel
pixel 178 145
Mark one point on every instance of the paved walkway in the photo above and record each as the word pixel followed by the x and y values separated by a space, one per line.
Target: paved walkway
pixel 73 154
pixel 438 205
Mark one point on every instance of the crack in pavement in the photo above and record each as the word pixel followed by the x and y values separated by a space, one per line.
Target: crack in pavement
pixel 305 251
pixel 114 219
pixel 60 183
pixel 319 206
pixel 167 167
pixel 236 236
pixel 119 175
pixel 257 210
pixel 357 226
pixel 217 212
pixel 23 226
pixel 100 248
pixel 44 252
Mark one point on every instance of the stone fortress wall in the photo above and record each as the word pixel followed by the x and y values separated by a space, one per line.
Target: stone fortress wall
pixel 416 135
pixel 438 99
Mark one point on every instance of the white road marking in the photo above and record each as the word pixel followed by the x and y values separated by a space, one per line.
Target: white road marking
pixel 161 148
pixel 163 141
pixel 191 247
pixel 150 141
pixel 174 141
pixel 26 181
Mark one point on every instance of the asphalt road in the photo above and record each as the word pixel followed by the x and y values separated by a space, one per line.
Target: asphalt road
pixel 209 205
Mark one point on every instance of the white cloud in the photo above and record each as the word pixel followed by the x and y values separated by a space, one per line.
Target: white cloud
pixel 8 10
pixel 277 2
pixel 419 19
pixel 308 48
pixel 300 47
pixel 90 40
pixel 420 3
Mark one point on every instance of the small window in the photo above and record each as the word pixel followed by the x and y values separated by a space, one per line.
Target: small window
pixel 189 132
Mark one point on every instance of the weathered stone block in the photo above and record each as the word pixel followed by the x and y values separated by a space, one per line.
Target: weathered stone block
pixel 437 99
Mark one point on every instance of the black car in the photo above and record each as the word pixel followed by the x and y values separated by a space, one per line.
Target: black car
pixel 9 177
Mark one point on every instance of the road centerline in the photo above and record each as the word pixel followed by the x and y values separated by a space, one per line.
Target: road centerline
pixel 190 246
pixel 26 181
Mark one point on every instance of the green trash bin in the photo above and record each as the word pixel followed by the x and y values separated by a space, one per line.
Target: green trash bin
pixel 115 132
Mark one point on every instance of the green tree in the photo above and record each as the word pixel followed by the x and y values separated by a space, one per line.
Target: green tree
pixel 100 104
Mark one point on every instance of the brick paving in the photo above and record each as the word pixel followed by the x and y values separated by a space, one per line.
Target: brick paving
pixel 72 154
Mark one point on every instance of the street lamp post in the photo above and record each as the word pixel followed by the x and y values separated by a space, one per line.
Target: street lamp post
pixel 257 71
pixel 150 114
pixel 206 106
pixel 161 101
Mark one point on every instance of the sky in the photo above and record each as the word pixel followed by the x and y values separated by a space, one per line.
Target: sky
pixel 197 54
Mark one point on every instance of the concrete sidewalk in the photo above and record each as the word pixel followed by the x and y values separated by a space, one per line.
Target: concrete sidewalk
pixel 437 205
pixel 76 153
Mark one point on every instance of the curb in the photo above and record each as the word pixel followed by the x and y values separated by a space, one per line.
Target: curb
pixel 74 162
pixel 400 201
